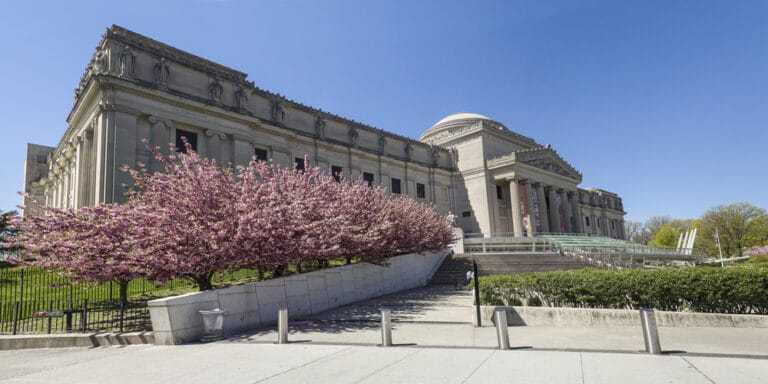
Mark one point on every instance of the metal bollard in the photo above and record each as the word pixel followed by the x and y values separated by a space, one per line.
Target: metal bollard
pixel 502 334
pixel 386 327
pixel 650 332
pixel 282 326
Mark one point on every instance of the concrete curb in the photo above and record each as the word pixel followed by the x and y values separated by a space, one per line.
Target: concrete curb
pixel 587 317
pixel 70 340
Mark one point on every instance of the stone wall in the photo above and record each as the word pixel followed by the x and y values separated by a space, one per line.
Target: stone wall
pixel 175 320
pixel 589 317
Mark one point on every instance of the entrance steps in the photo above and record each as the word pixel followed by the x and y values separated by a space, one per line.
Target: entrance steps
pixel 456 266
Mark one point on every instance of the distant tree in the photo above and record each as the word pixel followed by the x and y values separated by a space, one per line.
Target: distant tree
pixel 635 231
pixel 6 232
pixel 655 223
pixel 739 225
pixel 666 237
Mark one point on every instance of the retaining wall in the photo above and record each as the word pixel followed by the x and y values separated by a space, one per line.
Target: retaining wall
pixel 587 317
pixel 175 320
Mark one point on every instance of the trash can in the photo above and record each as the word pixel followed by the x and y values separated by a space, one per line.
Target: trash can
pixel 213 325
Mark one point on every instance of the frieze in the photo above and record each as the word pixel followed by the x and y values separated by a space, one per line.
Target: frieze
pixel 549 167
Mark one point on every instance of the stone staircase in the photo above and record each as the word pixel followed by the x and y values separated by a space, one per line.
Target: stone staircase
pixel 456 266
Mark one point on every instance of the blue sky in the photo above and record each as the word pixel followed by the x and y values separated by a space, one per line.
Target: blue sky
pixel 662 102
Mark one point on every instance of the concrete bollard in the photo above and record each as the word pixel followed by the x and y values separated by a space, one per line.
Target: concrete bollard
pixel 282 326
pixel 502 334
pixel 386 327
pixel 650 332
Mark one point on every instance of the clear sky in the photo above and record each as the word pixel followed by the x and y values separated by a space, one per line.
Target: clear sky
pixel 664 102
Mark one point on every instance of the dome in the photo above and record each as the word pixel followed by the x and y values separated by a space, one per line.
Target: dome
pixel 461 116
pixel 455 120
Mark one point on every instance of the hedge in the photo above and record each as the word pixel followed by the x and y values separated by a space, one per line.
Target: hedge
pixel 739 290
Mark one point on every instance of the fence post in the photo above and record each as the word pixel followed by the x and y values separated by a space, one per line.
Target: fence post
pixel 84 315
pixel 476 278
pixel 50 308
pixel 16 317
pixel 122 315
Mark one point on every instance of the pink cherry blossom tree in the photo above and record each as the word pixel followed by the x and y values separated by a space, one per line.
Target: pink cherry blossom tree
pixel 196 218
pixel 95 244
pixel 190 207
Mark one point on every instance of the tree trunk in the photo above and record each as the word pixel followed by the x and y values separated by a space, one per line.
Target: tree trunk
pixel 123 295
pixel 349 260
pixel 203 282
pixel 279 271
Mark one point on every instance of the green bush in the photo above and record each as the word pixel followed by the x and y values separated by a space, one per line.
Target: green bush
pixel 738 289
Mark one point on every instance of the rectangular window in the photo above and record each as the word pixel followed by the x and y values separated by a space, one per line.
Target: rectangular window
pixel 191 139
pixel 336 172
pixel 598 222
pixel 396 186
pixel 261 154
pixel 299 164
pixel 587 220
pixel 612 225
pixel 466 214
pixel 421 191
pixel 499 194
pixel 368 177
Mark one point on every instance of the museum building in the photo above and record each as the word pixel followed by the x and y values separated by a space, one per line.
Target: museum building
pixel 134 88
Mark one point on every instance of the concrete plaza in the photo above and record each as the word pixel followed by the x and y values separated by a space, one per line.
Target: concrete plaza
pixel 434 343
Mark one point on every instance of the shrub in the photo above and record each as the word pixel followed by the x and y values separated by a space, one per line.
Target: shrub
pixel 740 290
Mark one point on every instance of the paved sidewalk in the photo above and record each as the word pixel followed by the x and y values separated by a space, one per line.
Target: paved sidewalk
pixel 435 342
pixel 228 362
pixel 442 317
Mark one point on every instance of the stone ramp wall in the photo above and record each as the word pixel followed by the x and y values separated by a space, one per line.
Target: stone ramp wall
pixel 591 317
pixel 175 320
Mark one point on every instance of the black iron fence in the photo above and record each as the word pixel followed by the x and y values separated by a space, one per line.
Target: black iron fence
pixel 34 300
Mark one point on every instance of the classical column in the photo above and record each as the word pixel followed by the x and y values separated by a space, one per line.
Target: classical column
pixel 577 213
pixel 543 218
pixel 514 201
pixel 531 230
pixel 554 211
pixel 567 212
pixel 213 145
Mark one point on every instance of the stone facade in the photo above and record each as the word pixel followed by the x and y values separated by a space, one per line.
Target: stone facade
pixel 136 88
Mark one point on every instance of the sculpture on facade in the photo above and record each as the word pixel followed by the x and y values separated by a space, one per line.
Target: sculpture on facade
pixel 241 98
pixel 127 62
pixel 408 151
pixel 215 91
pixel 320 127
pixel 382 144
pixel 278 112
pixel 352 134
pixel 161 72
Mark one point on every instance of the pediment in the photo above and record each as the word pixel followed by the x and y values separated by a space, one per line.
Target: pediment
pixel 548 160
